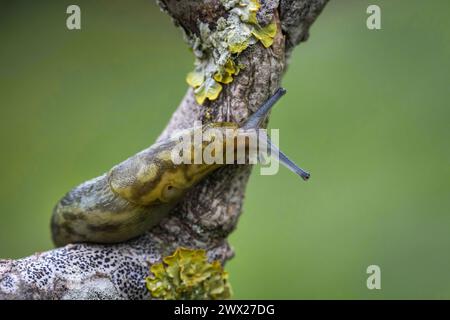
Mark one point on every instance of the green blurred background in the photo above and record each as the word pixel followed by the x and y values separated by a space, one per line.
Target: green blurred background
pixel 367 113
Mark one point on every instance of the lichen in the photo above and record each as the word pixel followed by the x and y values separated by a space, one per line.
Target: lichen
pixel 187 275
pixel 265 34
pixel 216 51
pixel 226 72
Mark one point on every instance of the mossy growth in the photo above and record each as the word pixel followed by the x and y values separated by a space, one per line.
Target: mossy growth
pixel 187 275
pixel 216 51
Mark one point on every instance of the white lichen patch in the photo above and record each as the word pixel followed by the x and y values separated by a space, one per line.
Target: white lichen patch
pixel 92 289
pixel 216 51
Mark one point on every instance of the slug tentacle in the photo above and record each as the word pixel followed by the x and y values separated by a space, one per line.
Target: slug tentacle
pixel 286 161
pixel 256 119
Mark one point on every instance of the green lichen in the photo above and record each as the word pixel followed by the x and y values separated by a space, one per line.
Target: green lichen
pixel 216 51
pixel 187 275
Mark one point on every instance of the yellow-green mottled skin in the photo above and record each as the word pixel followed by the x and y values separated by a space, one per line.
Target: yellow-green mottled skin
pixel 134 196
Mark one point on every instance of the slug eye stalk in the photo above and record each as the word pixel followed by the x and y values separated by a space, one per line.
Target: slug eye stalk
pixel 288 163
pixel 256 120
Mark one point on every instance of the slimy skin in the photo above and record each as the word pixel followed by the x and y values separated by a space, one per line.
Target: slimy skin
pixel 131 198
pixel 138 193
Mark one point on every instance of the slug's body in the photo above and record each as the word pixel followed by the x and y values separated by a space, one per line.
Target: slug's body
pixel 139 192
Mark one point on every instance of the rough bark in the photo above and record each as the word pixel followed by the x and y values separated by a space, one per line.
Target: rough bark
pixel 209 212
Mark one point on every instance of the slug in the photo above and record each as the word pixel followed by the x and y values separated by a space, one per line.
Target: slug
pixel 138 193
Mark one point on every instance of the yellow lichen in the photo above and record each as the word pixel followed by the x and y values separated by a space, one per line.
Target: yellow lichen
pixel 217 50
pixel 247 10
pixel 195 78
pixel 237 36
pixel 210 89
pixel 253 8
pixel 187 274
pixel 238 47
pixel 225 74
pixel 265 34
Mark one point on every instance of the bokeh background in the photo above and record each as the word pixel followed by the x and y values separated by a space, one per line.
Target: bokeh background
pixel 367 113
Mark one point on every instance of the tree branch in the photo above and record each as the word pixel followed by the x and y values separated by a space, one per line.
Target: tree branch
pixel 209 212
